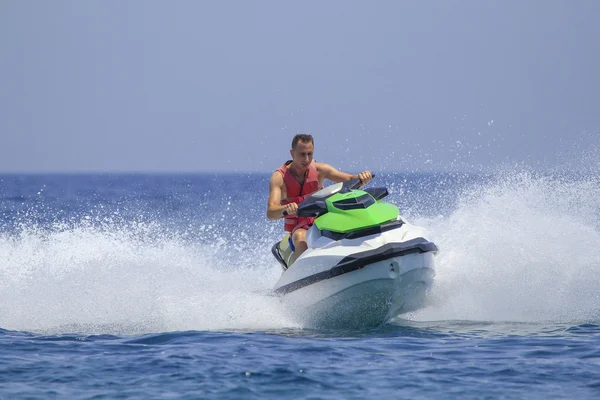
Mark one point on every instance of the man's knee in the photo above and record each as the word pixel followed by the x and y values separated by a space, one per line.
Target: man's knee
pixel 299 235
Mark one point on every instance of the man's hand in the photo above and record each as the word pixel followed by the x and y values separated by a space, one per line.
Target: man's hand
pixel 365 177
pixel 290 209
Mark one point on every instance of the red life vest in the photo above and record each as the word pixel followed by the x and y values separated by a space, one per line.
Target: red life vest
pixel 296 192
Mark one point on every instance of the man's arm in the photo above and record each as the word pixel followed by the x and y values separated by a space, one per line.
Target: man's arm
pixel 334 175
pixel 274 208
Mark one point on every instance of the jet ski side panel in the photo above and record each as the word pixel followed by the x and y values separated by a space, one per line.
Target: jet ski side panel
pixel 359 260
pixel 368 296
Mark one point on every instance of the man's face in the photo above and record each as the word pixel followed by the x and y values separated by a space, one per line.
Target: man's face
pixel 302 155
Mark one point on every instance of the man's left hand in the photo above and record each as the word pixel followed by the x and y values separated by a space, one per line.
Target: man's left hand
pixel 365 177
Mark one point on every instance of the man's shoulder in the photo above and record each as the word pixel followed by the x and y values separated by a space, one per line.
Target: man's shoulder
pixel 277 177
pixel 323 167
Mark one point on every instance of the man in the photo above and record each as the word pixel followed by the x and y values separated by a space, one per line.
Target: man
pixel 296 180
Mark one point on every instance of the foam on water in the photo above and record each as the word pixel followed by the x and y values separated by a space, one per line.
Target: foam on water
pixel 518 247
pixel 132 278
pixel 523 247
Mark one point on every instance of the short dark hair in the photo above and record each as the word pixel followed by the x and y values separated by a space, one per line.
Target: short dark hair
pixel 302 138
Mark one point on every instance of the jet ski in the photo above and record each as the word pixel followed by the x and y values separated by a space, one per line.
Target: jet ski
pixel 365 264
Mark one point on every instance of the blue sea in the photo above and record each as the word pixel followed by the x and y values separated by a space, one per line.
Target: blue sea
pixel 142 286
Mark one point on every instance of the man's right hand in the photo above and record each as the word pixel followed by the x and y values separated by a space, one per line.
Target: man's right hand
pixel 290 209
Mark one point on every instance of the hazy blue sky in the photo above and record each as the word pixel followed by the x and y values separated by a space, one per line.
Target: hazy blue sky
pixel 145 85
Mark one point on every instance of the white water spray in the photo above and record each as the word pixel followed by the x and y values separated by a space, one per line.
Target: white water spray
pixel 129 279
pixel 523 248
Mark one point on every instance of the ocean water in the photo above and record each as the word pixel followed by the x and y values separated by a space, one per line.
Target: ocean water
pixel 154 286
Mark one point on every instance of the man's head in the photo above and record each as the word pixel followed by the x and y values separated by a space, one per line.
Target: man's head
pixel 302 151
pixel 302 138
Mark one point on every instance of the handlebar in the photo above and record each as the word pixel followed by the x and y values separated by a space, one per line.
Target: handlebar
pixel 354 183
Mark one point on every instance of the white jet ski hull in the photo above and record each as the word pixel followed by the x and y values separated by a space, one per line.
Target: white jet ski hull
pixel 361 282
pixel 370 296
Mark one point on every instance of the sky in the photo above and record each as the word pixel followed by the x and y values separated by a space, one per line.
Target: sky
pixel 217 86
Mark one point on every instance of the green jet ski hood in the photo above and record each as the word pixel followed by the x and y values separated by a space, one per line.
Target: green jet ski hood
pixel 342 208
pixel 353 210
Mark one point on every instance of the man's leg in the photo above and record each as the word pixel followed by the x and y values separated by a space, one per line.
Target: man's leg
pixel 299 240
